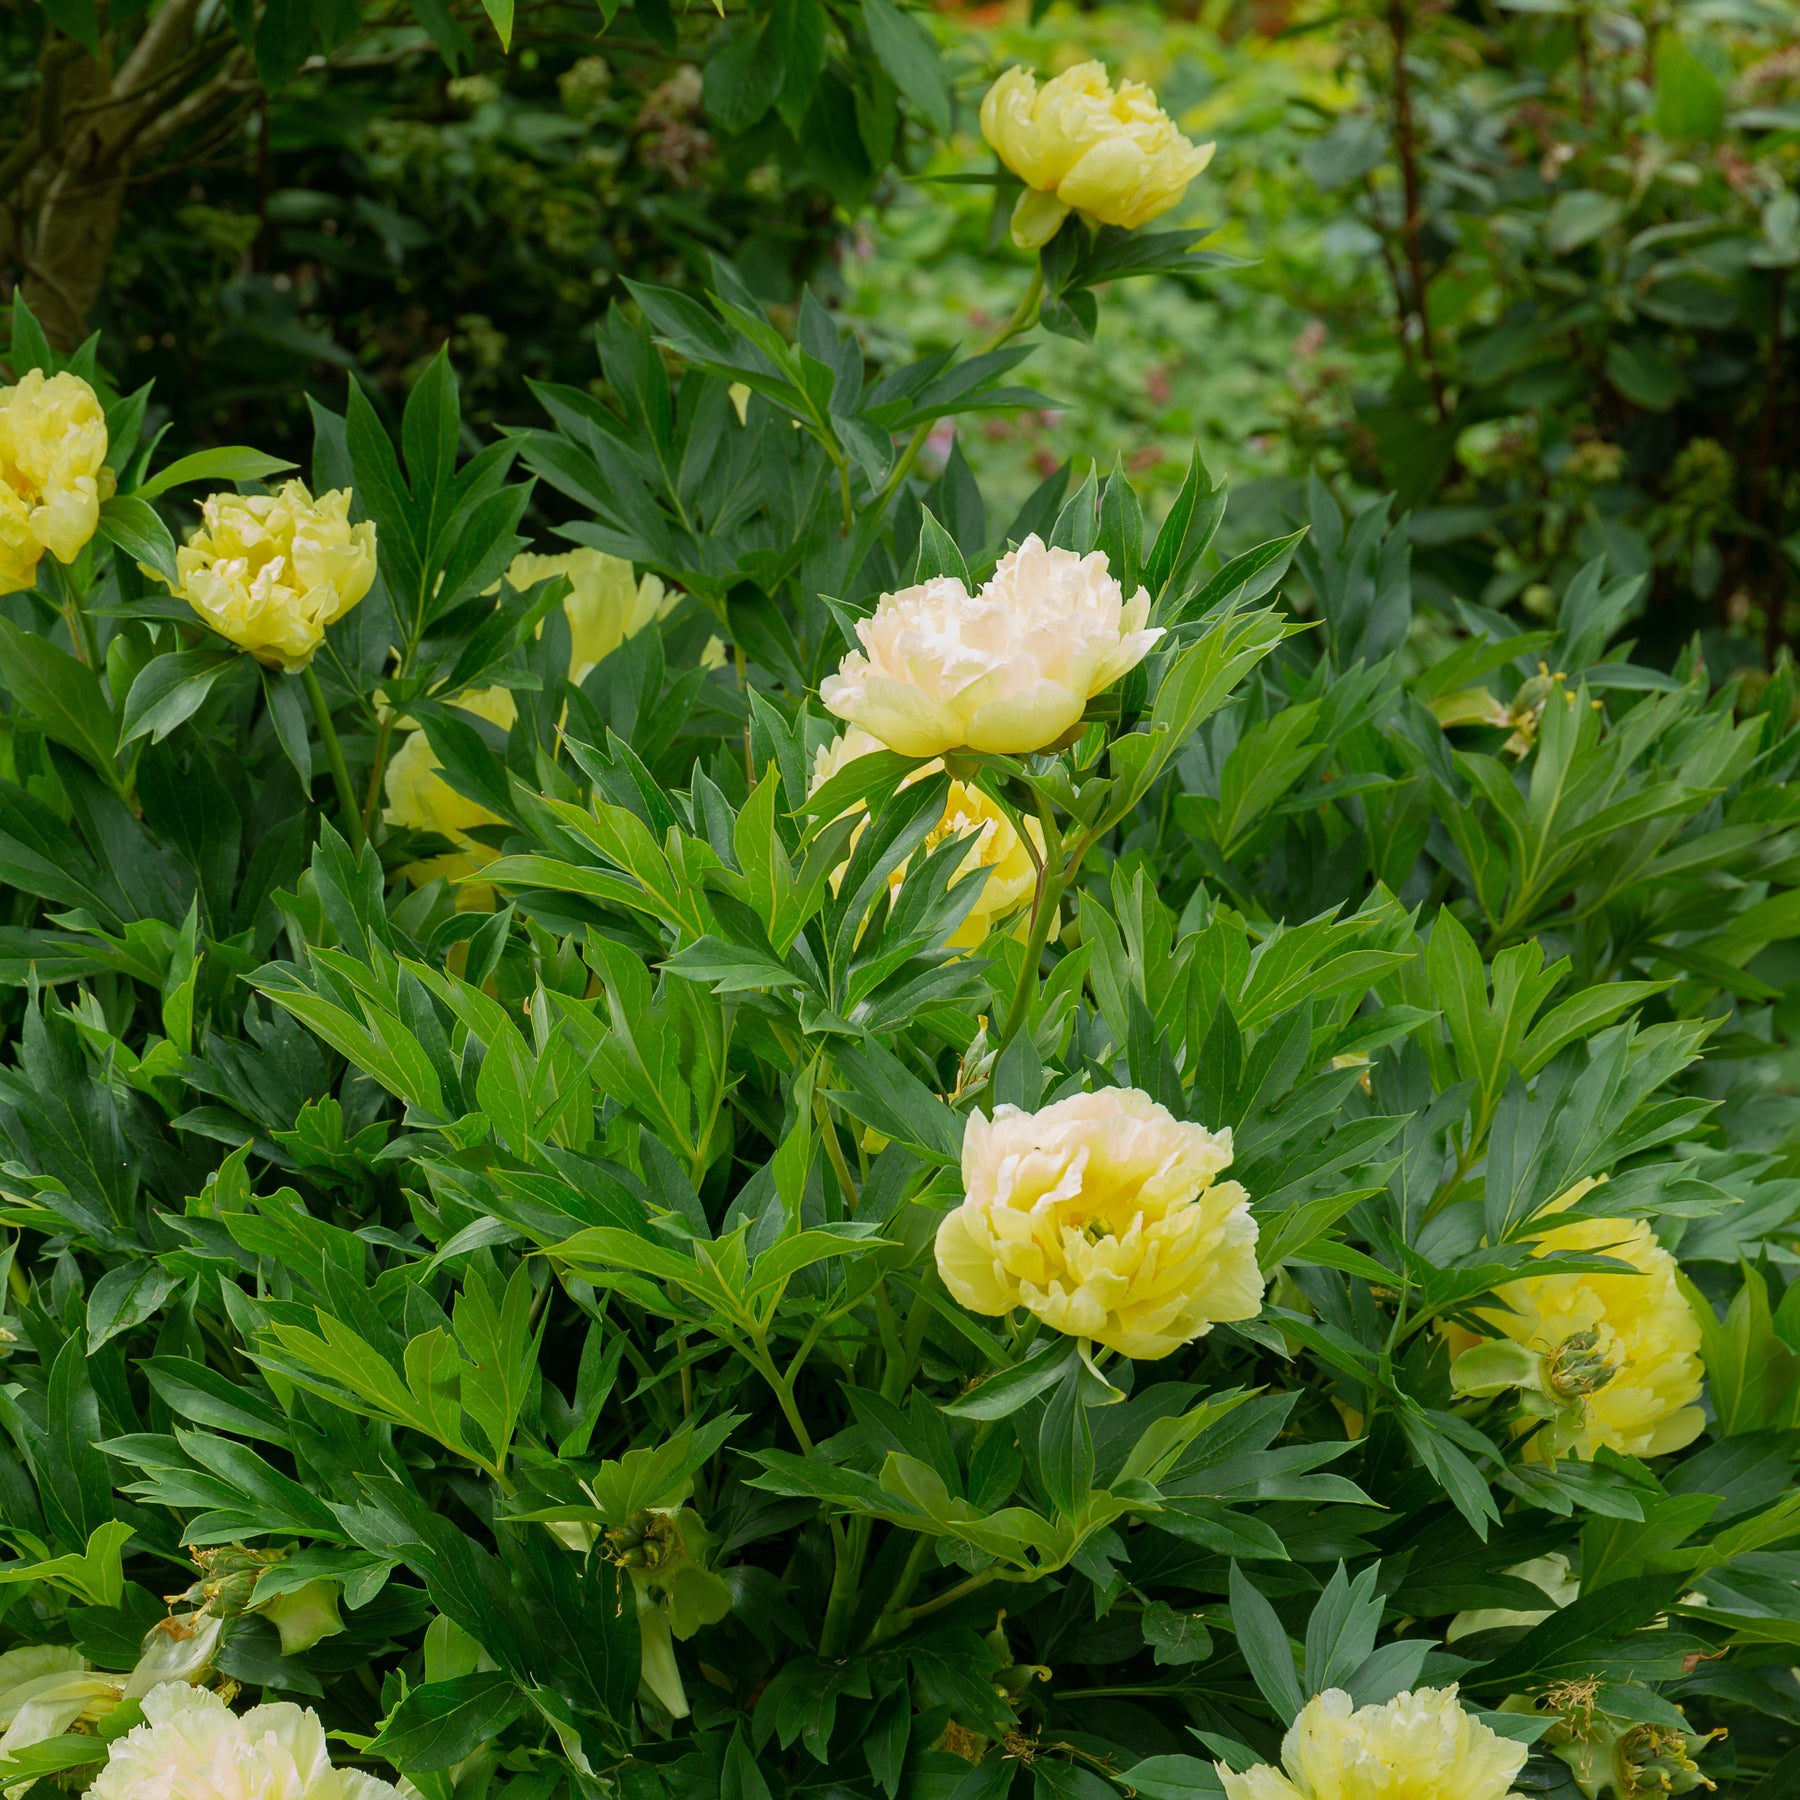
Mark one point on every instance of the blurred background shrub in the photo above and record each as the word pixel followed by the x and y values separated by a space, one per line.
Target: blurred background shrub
pixel 1527 265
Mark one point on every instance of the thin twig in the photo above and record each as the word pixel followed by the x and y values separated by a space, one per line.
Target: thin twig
pixel 1412 225
pixel 1762 470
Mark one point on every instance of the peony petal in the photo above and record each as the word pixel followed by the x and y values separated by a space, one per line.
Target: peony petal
pixel 966 1260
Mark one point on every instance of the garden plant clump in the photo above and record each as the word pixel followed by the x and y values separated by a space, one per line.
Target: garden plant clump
pixel 689 1118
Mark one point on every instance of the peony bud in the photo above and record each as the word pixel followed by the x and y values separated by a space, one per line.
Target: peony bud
pixel 1079 145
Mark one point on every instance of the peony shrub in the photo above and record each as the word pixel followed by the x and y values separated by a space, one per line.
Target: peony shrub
pixel 831 1146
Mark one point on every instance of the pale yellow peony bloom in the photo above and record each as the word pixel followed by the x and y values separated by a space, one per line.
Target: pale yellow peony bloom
pixel 47 1688
pixel 420 799
pixel 606 604
pixel 192 1746
pixel 995 844
pixel 1101 1215
pixel 1079 145
pixel 1620 1354
pixel 272 571
pixel 53 473
pixel 1418 1746
pixel 1552 1574
pixel 1008 670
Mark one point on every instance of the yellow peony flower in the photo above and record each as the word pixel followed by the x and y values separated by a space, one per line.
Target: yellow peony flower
pixel 193 1745
pixel 968 813
pixel 1079 145
pixel 47 1688
pixel 1101 1215
pixel 53 473
pixel 1419 1746
pixel 271 571
pixel 1619 1355
pixel 420 799
pixel 605 605
pixel 1009 670
pixel 1550 1573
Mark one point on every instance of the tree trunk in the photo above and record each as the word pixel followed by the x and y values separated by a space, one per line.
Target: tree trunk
pixel 64 198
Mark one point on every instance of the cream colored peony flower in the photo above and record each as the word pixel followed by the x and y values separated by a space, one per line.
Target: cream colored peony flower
pixel 1079 145
pixel 1619 1355
pixel 968 813
pixel 1419 1746
pixel 1101 1215
pixel 1550 1573
pixel 420 799
pixel 271 571
pixel 46 1688
pixel 1009 670
pixel 53 473
pixel 192 1746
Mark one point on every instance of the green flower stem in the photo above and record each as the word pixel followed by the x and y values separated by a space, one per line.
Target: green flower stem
pixel 383 736
pixel 834 1152
pixel 1054 876
pixel 334 755
pixel 1021 315
pixel 913 1569
pixel 844 493
pixel 81 627
pixel 891 1624
pixel 757 1355
pixel 741 663
pixel 1019 320
pixel 895 1362
pixel 1044 908
pixel 852 1547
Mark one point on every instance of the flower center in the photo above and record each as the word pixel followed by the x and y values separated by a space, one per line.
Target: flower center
pixel 1648 1758
pixel 1580 1365
pixel 647 1540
